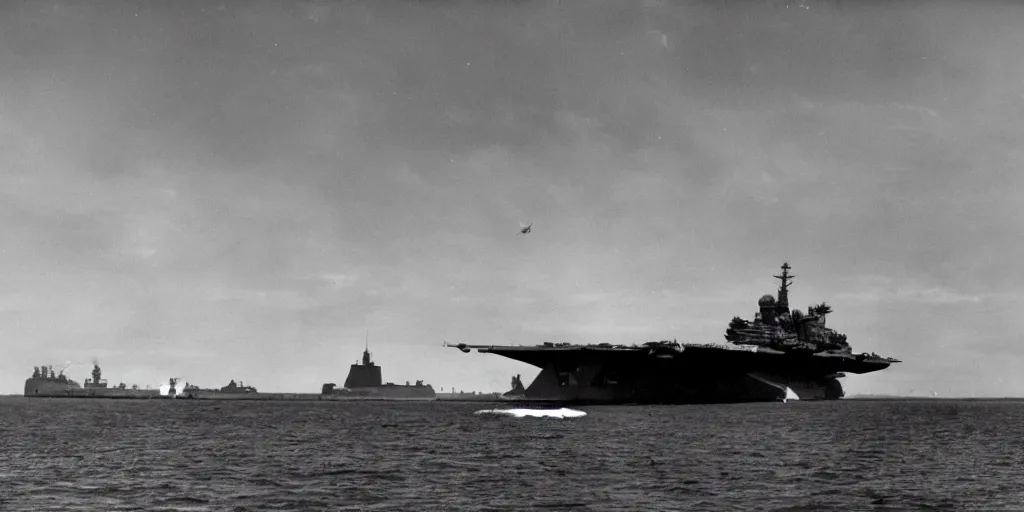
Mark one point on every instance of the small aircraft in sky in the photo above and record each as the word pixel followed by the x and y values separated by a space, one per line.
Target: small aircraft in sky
pixel 524 229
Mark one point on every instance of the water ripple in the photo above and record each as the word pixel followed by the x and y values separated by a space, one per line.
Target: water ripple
pixel 195 456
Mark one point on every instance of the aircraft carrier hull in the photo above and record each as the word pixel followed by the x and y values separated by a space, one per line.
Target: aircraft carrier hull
pixel 687 375
pixel 720 389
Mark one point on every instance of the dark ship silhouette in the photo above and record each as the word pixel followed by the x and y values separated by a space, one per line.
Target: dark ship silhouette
pixel 518 390
pixel 781 354
pixel 232 391
pixel 238 388
pixel 43 383
pixel 364 381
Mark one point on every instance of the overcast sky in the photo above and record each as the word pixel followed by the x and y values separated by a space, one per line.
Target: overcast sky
pixel 242 190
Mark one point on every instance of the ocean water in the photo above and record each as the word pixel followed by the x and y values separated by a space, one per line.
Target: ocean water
pixel 90 455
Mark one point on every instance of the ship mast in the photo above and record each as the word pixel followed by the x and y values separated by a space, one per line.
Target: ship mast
pixel 366 351
pixel 782 304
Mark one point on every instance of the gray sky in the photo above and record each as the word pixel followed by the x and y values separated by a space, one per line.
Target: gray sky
pixel 241 190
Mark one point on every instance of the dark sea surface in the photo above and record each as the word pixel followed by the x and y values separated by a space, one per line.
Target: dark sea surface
pixel 107 455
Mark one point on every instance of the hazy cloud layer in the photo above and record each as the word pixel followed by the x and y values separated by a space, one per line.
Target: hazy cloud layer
pixel 240 190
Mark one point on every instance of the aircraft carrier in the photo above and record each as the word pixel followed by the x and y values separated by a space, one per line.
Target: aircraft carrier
pixel 782 354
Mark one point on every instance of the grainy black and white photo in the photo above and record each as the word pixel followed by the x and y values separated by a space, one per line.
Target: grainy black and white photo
pixel 636 255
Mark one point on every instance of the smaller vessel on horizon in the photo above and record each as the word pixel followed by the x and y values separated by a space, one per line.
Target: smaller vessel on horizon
pixel 238 388
pixel 232 390
pixel 364 381
pixel 518 390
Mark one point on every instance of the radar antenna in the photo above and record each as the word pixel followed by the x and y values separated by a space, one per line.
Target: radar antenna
pixel 366 352
pixel 782 304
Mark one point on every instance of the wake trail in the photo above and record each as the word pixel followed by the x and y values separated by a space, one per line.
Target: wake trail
pixel 562 413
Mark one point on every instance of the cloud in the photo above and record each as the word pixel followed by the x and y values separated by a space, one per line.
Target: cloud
pixel 931 295
pixel 881 289
pixel 319 171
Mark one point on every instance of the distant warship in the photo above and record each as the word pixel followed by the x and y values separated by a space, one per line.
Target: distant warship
pixel 468 396
pixel 364 381
pixel 518 390
pixel 233 390
pixel 43 383
pixel 781 355
pixel 237 388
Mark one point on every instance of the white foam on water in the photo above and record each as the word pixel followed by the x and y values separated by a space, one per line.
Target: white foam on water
pixel 534 413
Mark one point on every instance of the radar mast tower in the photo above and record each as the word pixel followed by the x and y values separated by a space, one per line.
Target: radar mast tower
pixel 366 351
pixel 782 304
